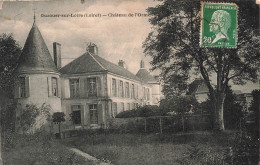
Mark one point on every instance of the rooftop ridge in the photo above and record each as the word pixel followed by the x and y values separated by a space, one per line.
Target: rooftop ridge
pixel 97 61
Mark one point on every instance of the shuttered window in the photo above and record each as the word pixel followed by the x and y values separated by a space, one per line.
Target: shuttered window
pixel 74 88
pixel 114 91
pixel 92 87
pixel 121 89
pixel 148 94
pixel 132 91
pixel 122 107
pixel 22 87
pixel 114 109
pixel 93 114
pixel 127 90
pixel 144 93
pixel 54 83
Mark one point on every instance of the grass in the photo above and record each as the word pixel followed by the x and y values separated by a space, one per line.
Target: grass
pixel 38 149
pixel 154 149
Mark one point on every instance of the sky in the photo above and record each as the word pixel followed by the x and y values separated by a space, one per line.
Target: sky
pixel 117 38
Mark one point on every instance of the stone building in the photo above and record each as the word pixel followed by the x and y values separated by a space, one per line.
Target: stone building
pixel 89 88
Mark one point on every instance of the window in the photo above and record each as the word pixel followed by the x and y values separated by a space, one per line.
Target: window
pixel 144 93
pixel 74 88
pixel 92 86
pixel 122 107
pixel 114 88
pixel 136 105
pixel 132 106
pixel 127 90
pixel 54 85
pixel 114 109
pixel 22 87
pixel 132 91
pixel 76 114
pixel 121 89
pixel 137 91
pixel 93 114
pixel 128 106
pixel 148 94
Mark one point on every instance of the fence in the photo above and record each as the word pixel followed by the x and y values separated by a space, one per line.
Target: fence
pixel 161 124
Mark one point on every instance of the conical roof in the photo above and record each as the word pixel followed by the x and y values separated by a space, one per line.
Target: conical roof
pixel 35 55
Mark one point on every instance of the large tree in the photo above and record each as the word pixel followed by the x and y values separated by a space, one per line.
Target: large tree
pixel 9 54
pixel 173 44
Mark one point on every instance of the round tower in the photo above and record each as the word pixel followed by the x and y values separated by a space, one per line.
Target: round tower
pixel 37 78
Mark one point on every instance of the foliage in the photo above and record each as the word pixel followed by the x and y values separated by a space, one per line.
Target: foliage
pixel 233 111
pixel 58 117
pixel 180 104
pixel 28 116
pixel 33 118
pixel 145 111
pixel 40 149
pixel 192 87
pixel 8 116
pixel 9 54
pixel 184 104
pixel 174 46
pixel 165 149
pixel 245 150
pixel 254 107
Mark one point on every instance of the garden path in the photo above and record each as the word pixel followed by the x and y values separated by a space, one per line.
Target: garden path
pixel 89 157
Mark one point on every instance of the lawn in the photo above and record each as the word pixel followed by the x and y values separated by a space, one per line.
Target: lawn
pixel 38 149
pixel 153 149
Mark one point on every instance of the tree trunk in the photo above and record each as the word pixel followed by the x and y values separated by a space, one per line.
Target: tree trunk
pixel 218 124
pixel 59 128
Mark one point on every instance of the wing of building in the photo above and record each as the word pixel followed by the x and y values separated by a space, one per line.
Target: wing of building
pixel 90 88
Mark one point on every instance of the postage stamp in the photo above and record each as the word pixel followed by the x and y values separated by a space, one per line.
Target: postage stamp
pixel 218 25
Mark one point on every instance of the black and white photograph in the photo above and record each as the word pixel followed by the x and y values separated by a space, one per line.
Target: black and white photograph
pixel 129 82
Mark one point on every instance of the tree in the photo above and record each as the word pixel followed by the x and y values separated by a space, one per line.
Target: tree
pixel 58 118
pixel 174 46
pixel 183 104
pixel 9 55
pixel 233 111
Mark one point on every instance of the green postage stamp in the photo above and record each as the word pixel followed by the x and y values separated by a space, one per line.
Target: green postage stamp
pixel 218 25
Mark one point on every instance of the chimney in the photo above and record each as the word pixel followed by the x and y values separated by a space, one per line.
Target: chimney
pixel 142 64
pixel 92 48
pixel 121 63
pixel 57 54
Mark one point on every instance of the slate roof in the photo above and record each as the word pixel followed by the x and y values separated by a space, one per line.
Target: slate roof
pixel 145 76
pixel 88 63
pixel 35 55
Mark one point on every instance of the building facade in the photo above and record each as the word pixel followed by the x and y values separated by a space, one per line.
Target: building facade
pixel 90 89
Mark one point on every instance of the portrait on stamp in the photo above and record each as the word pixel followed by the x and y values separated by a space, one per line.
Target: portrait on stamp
pixel 218 25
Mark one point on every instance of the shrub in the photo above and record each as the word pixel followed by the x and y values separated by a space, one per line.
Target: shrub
pixel 57 118
pixel 145 111
pixel 33 118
